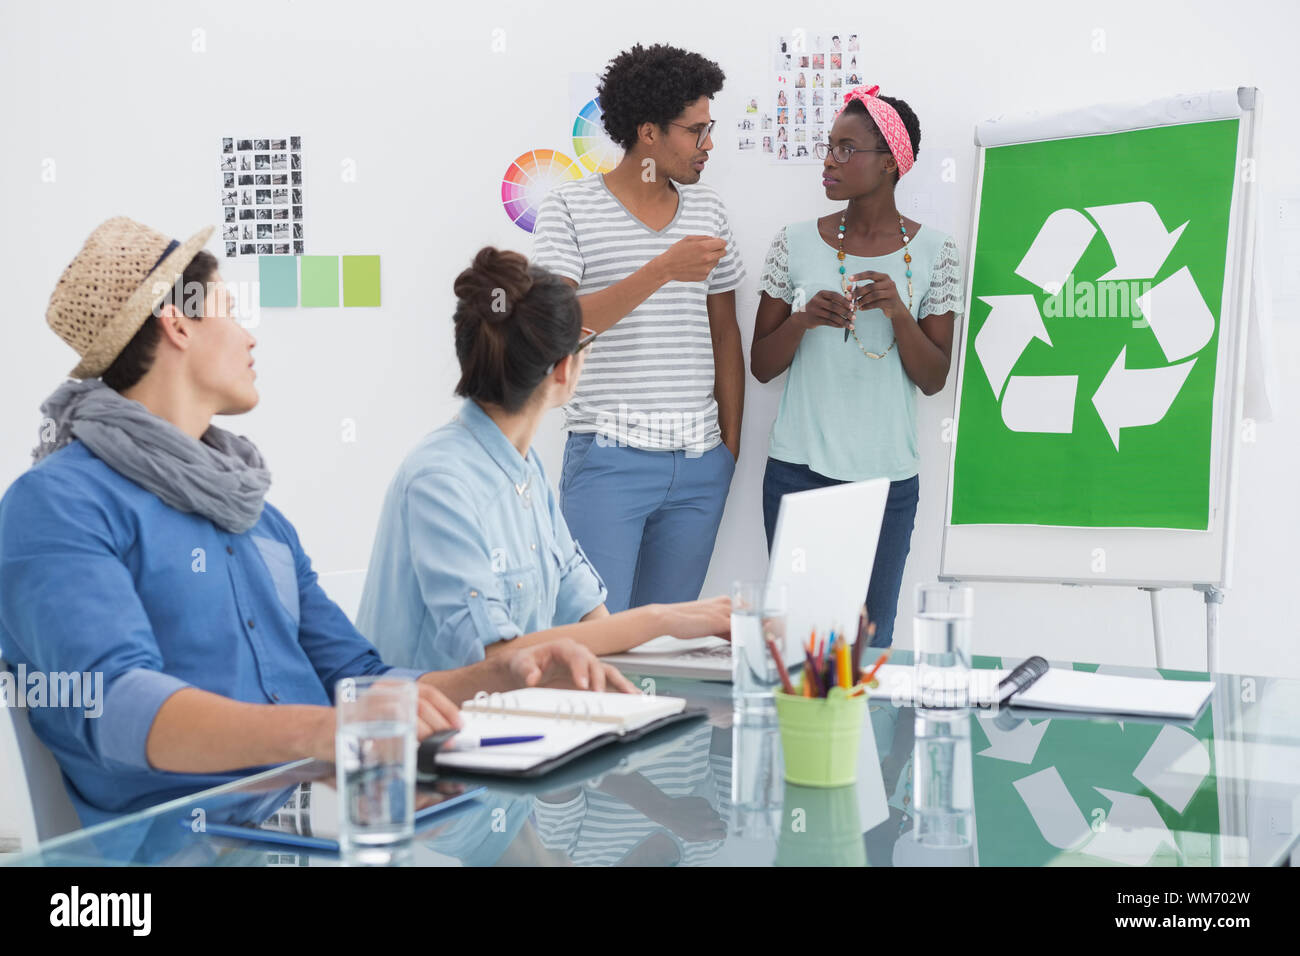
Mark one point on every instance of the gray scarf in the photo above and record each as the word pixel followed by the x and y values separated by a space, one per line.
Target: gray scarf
pixel 222 476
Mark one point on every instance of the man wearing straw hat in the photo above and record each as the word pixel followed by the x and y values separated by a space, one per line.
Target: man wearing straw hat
pixel 139 548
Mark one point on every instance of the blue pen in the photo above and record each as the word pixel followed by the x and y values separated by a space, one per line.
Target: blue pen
pixel 462 742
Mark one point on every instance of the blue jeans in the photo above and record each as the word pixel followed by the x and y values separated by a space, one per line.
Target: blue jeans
pixel 783 478
pixel 646 519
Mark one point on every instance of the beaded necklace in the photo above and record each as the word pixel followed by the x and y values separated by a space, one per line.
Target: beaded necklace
pixel 844 283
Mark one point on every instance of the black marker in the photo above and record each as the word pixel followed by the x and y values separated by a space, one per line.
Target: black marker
pixel 1020 678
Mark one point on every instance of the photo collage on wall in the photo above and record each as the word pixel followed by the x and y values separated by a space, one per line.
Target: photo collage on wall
pixel 747 126
pixel 811 73
pixel 261 196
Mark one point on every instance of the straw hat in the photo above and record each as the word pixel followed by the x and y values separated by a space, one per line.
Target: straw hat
pixel 116 281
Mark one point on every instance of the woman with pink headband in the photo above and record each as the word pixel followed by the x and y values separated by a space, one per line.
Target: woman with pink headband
pixel 859 306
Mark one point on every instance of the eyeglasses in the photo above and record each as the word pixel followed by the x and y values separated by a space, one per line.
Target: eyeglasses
pixel 701 132
pixel 842 153
pixel 583 342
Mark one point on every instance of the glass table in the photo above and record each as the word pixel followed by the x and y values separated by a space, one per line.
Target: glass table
pixel 1014 789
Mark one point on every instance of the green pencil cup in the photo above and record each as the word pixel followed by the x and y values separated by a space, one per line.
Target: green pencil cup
pixel 820 737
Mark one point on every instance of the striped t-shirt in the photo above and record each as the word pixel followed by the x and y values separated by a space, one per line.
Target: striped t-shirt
pixel 648 380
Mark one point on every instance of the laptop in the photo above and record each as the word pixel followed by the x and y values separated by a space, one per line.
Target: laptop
pixel 823 552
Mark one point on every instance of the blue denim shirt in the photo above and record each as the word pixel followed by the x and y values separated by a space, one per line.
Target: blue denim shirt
pixel 471 549
pixel 97 574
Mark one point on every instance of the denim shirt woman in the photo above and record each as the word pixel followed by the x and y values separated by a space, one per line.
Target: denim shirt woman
pixel 473 553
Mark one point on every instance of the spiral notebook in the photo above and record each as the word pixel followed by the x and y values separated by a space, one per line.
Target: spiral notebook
pixel 572 722
pixel 1066 690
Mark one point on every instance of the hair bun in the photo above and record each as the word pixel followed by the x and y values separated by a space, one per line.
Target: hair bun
pixel 495 283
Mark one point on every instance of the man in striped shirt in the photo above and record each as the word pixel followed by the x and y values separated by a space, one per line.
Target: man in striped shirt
pixel 654 427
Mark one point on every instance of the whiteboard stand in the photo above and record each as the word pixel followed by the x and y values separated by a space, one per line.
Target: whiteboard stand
pixel 1157 629
pixel 1213 598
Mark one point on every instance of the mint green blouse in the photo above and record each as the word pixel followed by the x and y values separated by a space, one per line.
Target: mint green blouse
pixel 842 414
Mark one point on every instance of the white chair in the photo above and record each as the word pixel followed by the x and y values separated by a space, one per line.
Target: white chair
pixel 34 806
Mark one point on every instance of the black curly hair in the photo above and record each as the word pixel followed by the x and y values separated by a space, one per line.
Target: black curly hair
pixel 905 113
pixel 653 85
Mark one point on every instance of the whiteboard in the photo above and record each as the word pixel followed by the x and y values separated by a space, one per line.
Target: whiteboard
pixel 1140 557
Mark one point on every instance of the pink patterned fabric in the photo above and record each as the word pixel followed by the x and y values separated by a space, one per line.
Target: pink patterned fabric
pixel 887 121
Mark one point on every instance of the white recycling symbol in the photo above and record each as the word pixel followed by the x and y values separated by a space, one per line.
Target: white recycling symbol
pixel 1174 309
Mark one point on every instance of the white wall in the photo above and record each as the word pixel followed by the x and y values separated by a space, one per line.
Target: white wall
pixel 130 114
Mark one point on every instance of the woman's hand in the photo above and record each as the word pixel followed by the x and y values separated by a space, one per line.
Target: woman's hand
pixel 825 308
pixel 709 617
pixel 879 293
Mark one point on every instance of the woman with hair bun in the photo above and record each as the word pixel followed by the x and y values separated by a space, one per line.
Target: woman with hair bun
pixel 473 554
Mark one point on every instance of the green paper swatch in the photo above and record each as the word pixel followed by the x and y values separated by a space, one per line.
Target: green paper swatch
pixel 361 280
pixel 320 281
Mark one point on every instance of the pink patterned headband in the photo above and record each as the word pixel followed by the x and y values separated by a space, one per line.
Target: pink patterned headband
pixel 887 121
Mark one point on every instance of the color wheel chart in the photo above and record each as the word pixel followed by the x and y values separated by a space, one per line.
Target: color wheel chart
pixel 595 149
pixel 530 177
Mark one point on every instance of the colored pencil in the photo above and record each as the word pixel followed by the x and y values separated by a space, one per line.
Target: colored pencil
pixel 810 672
pixel 860 642
pixel 872 673
pixel 780 667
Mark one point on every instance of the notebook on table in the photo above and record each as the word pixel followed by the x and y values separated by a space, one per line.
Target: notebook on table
pixel 1070 691
pixel 571 722
pixel 649 748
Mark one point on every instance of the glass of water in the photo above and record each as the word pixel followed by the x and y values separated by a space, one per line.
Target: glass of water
pixel 941 630
pixel 374 757
pixel 758 612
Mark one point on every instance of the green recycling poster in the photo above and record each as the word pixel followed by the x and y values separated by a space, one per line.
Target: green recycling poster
pixel 1087 393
